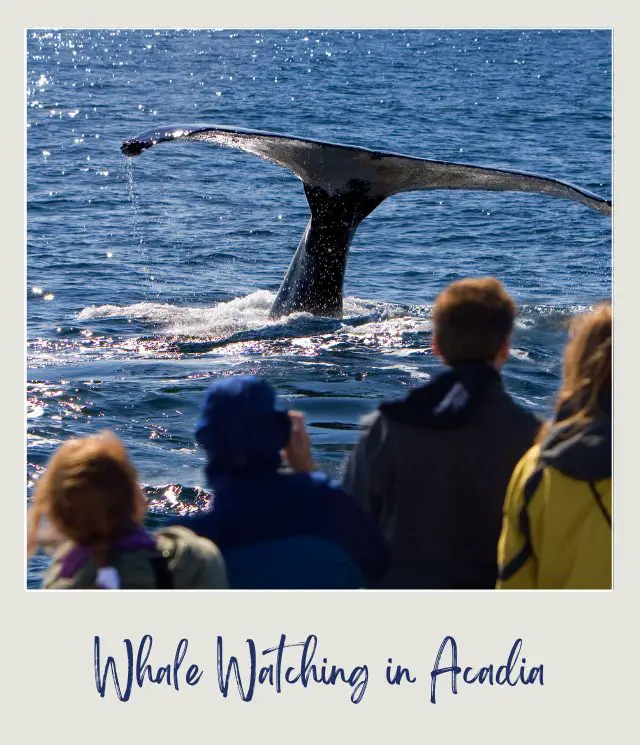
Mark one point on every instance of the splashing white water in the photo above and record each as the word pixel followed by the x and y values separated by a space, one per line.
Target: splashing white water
pixel 239 314
pixel 250 312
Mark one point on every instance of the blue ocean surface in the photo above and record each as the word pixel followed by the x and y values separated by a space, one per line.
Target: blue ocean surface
pixel 148 278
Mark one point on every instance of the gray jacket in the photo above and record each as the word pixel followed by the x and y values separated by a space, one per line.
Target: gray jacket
pixel 194 563
pixel 436 484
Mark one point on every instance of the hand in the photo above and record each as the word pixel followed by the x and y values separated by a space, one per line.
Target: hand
pixel 298 450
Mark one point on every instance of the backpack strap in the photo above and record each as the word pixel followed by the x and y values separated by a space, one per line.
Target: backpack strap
pixel 526 552
pixel 598 497
pixel 164 578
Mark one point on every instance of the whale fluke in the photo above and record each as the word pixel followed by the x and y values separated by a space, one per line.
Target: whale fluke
pixel 344 184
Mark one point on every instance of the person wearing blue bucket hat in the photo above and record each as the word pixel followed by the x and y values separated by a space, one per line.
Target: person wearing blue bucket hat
pixel 277 530
pixel 241 427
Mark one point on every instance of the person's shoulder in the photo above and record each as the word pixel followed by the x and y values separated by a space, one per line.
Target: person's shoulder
pixel 526 467
pixel 178 542
pixel 517 411
pixel 194 561
pixel 375 427
pixel 368 421
pixel 528 419
pixel 52 579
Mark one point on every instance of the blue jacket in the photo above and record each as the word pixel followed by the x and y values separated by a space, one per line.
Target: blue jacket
pixel 276 530
pixel 295 530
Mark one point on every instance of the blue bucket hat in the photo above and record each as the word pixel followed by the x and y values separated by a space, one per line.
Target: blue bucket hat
pixel 240 425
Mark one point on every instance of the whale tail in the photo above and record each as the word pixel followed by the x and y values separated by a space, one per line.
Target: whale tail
pixel 340 168
pixel 344 184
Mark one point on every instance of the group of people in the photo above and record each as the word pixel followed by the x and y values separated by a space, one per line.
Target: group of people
pixel 456 486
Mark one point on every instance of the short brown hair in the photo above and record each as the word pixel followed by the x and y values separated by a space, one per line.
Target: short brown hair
pixel 89 493
pixel 472 318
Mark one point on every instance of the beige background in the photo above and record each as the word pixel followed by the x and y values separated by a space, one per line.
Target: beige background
pixel 586 641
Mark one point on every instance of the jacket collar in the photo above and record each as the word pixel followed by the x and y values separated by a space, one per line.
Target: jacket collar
pixel 448 400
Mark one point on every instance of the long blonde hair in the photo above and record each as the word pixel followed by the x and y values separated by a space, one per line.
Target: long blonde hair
pixel 587 368
pixel 89 493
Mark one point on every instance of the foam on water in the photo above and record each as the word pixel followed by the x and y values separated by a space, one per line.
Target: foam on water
pixel 386 333
pixel 227 329
pixel 249 312
pixel 240 328
pixel 240 314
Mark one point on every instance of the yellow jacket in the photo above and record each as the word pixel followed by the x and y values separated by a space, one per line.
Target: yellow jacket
pixel 556 531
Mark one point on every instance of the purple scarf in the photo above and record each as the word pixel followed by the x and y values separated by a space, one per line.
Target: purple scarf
pixel 136 540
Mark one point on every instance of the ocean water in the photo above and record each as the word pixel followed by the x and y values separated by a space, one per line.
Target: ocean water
pixel 149 278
